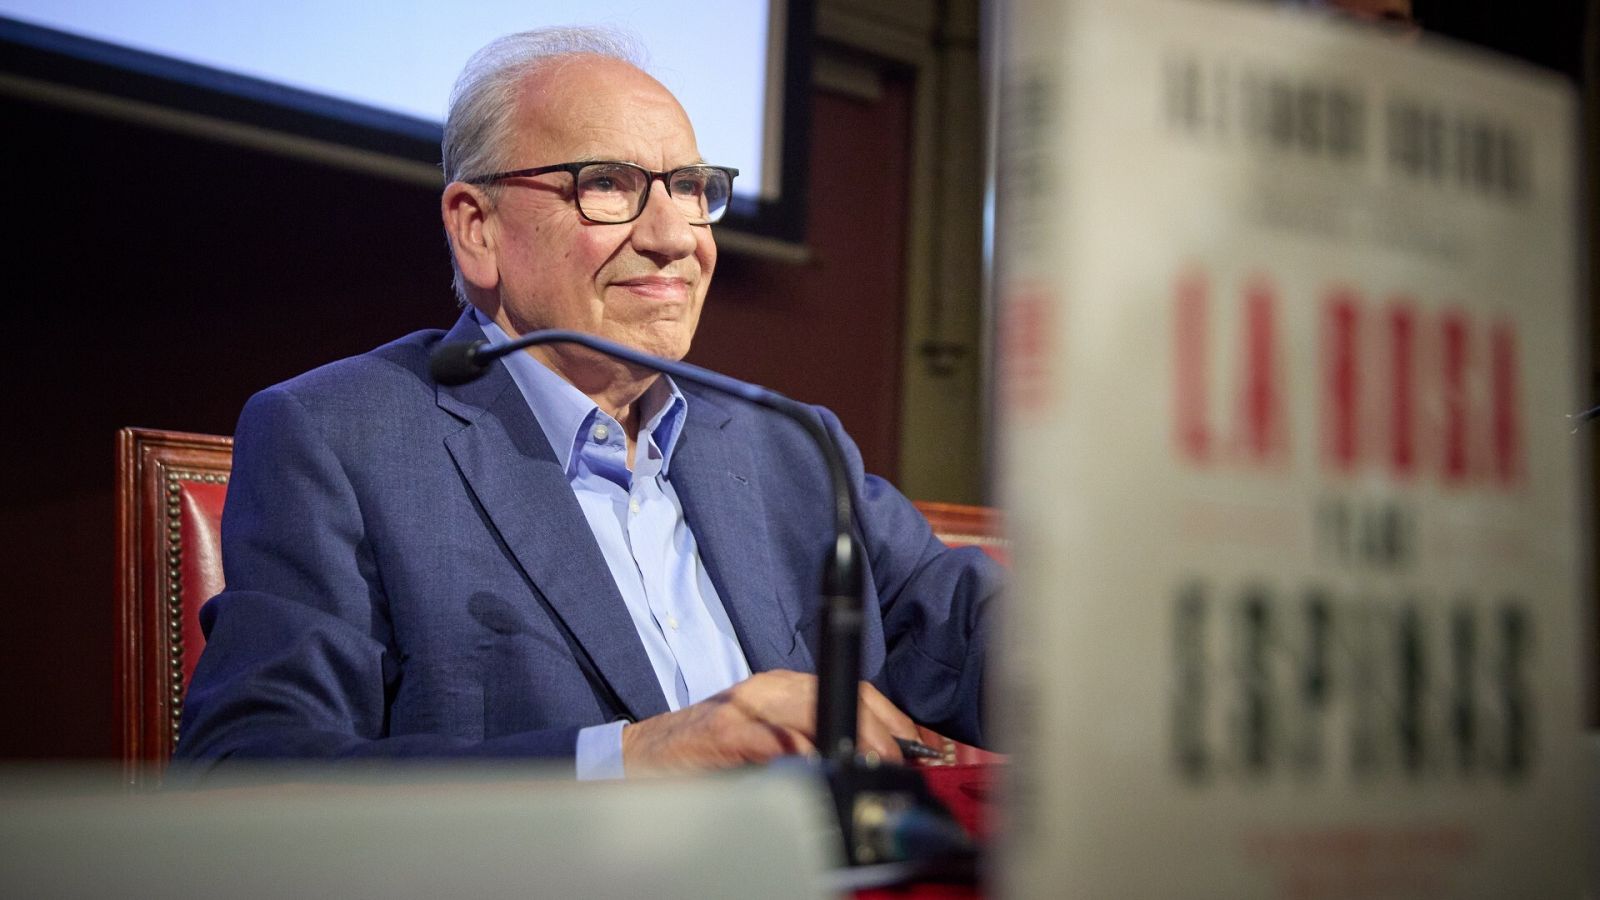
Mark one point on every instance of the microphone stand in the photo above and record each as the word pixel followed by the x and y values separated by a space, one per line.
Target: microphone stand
pixel 871 799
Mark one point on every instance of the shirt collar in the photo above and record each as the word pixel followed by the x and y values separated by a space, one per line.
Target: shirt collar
pixel 566 414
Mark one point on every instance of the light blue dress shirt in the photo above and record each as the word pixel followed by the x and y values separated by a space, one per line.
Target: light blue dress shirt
pixel 638 522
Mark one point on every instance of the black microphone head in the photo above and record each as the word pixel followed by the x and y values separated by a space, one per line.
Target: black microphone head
pixel 457 362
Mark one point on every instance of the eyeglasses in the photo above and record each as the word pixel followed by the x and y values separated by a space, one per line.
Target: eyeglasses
pixel 614 193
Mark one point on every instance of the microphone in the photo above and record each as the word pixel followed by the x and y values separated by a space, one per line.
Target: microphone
pixel 839 668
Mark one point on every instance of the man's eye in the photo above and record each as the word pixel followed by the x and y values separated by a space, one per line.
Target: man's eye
pixel 688 186
pixel 607 180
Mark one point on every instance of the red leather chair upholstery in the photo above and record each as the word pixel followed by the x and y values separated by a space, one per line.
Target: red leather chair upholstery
pixel 967 526
pixel 170 490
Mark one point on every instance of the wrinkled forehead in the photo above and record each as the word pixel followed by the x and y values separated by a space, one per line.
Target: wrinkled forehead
pixel 590 107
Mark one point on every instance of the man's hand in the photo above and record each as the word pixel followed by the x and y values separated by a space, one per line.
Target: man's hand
pixel 765 716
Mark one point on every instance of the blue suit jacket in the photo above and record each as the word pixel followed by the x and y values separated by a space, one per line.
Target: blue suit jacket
pixel 409 573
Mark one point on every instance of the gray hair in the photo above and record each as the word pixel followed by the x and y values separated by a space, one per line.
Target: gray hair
pixel 478 128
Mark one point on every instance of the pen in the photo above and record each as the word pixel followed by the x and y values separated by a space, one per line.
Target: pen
pixel 917 750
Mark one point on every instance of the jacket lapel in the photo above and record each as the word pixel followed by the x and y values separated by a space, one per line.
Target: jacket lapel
pixel 509 466
pixel 715 480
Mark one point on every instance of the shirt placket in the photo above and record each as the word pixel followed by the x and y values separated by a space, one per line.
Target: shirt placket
pixel 650 527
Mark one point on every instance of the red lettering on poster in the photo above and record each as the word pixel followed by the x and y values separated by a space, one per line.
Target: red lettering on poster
pixel 1402 397
pixel 1343 385
pixel 1454 361
pixel 1026 348
pixel 1262 392
pixel 1190 396
pixel 1418 393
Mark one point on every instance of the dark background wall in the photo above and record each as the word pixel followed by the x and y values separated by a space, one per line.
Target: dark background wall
pixel 185 274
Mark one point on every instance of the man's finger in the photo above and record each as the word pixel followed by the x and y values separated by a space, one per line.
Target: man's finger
pixel 874 736
pixel 898 723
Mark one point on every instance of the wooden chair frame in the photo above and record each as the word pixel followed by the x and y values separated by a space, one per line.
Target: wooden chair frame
pixel 153 470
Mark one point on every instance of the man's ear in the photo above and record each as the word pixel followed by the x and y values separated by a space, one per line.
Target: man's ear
pixel 468 221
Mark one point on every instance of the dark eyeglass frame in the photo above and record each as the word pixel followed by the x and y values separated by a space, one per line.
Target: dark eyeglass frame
pixel 573 168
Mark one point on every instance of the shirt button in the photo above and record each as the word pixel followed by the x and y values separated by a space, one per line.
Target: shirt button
pixel 600 432
pixel 672 623
pixel 633 506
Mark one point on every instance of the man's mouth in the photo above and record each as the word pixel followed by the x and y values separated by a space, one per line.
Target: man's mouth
pixel 659 287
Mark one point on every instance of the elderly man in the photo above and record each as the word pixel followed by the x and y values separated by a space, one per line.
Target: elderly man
pixel 572 558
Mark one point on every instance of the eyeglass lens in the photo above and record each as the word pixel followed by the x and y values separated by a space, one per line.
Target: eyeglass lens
pixel 617 192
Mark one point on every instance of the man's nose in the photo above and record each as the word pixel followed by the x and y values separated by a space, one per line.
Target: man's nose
pixel 662 228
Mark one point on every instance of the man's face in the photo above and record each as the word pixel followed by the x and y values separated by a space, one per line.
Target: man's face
pixel 640 283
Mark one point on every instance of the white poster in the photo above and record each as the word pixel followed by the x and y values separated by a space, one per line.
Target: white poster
pixel 1287 349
